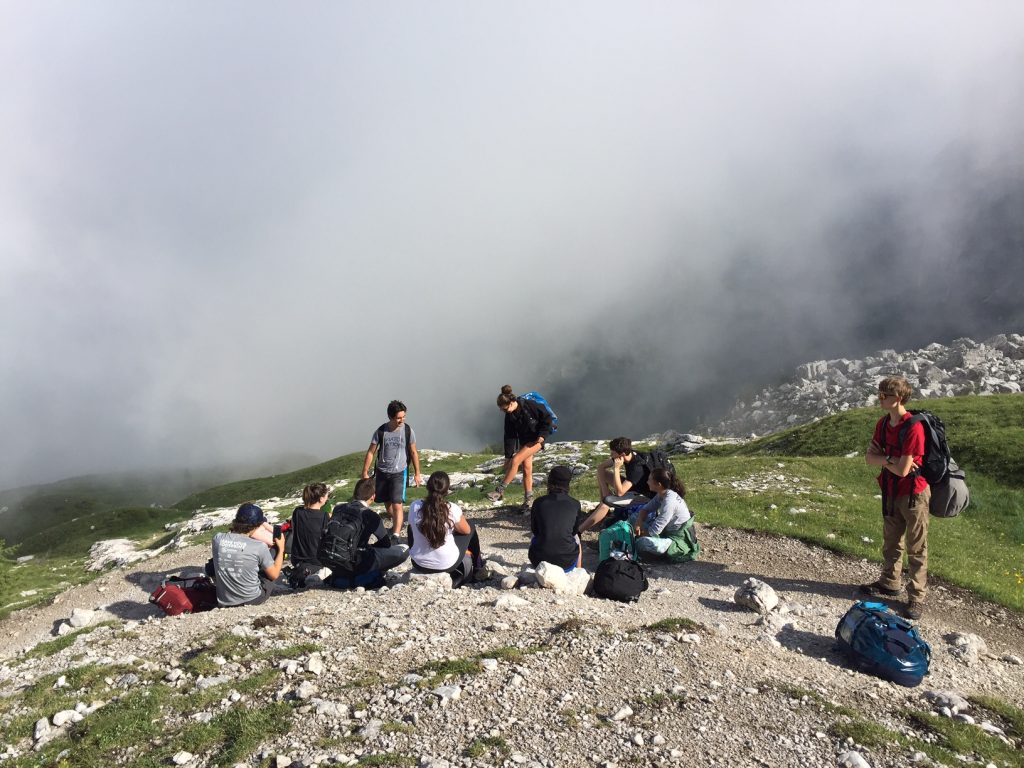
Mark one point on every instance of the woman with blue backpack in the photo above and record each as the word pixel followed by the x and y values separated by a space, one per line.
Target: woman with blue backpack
pixel 528 423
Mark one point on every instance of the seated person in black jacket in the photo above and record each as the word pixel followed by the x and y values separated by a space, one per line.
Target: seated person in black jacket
pixel 308 524
pixel 386 551
pixel 553 520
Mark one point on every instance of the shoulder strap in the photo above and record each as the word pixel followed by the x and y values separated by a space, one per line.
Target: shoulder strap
pixel 408 444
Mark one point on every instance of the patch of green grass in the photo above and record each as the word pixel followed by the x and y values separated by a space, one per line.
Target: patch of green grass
pixel 366 680
pixel 570 716
pixel 675 624
pixel 482 746
pixel 435 671
pixel 50 647
pixel 1012 717
pixel 396 727
pixel 961 738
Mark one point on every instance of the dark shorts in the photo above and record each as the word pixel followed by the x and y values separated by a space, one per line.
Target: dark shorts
pixel 390 486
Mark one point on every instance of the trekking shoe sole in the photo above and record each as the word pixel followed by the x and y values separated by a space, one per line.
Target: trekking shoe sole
pixel 874 590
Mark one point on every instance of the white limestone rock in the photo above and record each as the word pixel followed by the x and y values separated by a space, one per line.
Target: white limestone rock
pixel 757 596
pixel 550 576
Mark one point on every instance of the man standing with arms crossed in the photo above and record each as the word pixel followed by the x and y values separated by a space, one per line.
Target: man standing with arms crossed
pixel 396 442
pixel 905 497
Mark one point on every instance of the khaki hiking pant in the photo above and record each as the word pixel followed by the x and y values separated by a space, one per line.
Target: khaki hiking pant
pixel 906 518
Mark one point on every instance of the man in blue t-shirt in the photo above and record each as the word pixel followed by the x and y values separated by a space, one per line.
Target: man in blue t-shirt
pixel 394 444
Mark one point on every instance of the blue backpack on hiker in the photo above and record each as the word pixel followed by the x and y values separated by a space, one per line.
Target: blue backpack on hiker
pixel 538 398
pixel 884 644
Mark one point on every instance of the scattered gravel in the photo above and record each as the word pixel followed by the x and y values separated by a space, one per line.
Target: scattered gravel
pixel 561 679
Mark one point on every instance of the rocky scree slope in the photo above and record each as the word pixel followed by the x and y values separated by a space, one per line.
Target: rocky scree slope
pixel 825 387
pixel 501 674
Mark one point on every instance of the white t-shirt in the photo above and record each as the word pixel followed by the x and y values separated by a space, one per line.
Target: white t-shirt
pixel 422 553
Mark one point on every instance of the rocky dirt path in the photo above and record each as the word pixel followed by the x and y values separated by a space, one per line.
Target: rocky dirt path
pixel 566 680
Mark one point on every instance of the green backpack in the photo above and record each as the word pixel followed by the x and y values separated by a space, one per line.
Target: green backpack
pixel 617 537
pixel 684 546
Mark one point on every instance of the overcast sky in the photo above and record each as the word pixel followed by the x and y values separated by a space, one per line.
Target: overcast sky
pixel 234 230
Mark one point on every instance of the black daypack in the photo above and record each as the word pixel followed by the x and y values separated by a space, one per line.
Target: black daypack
pixel 950 495
pixel 408 443
pixel 657 459
pixel 620 579
pixel 339 546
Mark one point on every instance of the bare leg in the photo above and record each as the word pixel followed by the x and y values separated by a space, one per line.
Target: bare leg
pixel 397 511
pixel 594 517
pixel 528 474
pixel 517 461
pixel 604 478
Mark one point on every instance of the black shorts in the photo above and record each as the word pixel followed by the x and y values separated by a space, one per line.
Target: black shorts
pixel 390 486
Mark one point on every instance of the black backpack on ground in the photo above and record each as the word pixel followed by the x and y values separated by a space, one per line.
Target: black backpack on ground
pixel 948 483
pixel 339 546
pixel 620 579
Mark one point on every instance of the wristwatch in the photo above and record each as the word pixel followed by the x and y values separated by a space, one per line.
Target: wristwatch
pixel 888 460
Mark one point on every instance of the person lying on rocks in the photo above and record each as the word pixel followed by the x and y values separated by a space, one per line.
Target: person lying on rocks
pixel 243 567
pixel 441 539
pixel 664 526
pixel 355 522
pixel 622 481
pixel 552 521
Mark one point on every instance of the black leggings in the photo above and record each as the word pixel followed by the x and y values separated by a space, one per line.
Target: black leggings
pixel 465 542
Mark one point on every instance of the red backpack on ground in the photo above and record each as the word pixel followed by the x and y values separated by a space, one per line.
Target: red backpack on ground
pixel 177 595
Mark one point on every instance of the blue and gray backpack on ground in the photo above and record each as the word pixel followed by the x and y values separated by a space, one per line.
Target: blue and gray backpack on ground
pixel 883 644
pixel 538 398
pixel 948 482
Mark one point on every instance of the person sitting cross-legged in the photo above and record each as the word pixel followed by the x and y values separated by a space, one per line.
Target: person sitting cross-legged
pixel 664 526
pixel 243 566
pixel 354 523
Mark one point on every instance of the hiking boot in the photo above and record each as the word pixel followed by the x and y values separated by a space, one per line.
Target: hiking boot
pixel 874 589
pixel 527 504
pixel 496 495
pixel 914 610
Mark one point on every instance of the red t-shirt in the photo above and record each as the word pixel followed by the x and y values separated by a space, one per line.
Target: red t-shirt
pixel 912 445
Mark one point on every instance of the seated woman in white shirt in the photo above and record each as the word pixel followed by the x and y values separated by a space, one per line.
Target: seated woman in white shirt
pixel 441 539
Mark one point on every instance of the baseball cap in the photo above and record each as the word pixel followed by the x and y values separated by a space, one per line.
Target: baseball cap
pixel 250 514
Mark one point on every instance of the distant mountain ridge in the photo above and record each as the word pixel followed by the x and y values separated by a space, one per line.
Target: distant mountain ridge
pixel 825 387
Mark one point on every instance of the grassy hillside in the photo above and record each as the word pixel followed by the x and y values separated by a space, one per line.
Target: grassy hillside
pixel 985 434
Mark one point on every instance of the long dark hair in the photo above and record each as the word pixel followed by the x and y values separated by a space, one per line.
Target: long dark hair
pixel 435 514
pixel 665 478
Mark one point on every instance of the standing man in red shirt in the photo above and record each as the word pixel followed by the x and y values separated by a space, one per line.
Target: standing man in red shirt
pixel 905 497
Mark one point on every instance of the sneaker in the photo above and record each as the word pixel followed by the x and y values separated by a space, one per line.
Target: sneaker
pixel 482 573
pixel 496 495
pixel 874 589
pixel 914 610
pixel 525 508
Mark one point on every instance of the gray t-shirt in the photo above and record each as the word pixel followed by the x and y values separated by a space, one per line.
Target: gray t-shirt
pixel 391 456
pixel 237 562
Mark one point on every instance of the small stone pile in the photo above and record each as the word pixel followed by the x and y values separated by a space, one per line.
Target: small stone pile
pixel 826 387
